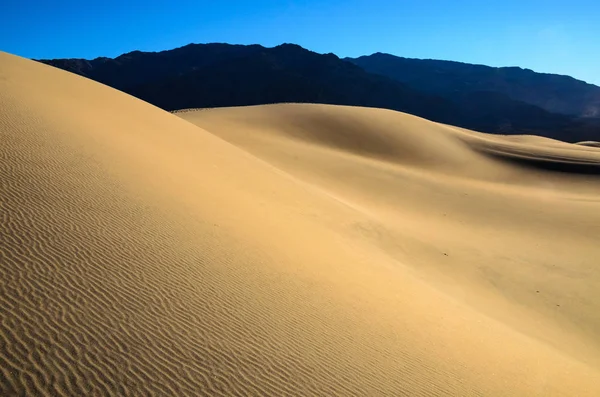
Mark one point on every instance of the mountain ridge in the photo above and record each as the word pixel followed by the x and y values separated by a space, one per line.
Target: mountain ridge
pixel 553 92
pixel 222 75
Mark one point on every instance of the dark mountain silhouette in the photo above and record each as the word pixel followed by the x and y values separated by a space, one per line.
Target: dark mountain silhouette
pixel 554 93
pixel 216 75
pixel 289 73
pixel 139 67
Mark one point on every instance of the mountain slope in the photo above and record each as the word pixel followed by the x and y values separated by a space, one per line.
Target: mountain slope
pixel 289 73
pixel 217 75
pixel 554 93
pixel 144 255
pixel 139 67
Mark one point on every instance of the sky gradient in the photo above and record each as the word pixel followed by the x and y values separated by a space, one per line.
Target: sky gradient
pixel 553 36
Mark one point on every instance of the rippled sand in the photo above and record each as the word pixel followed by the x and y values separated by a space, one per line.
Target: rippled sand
pixel 286 250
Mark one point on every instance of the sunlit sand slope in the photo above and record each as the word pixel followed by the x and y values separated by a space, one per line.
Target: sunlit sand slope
pixel 143 255
pixel 509 225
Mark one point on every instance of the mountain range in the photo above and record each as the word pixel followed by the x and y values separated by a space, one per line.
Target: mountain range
pixel 551 92
pixel 496 100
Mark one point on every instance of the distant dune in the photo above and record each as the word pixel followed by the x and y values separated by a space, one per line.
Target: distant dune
pixel 589 143
pixel 286 250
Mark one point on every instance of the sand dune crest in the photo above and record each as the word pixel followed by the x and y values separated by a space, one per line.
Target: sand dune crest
pixel 265 253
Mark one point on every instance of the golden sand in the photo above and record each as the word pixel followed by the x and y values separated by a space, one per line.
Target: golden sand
pixel 286 250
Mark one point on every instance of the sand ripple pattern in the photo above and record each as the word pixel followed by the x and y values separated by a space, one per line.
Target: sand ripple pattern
pixel 141 255
pixel 104 292
pixel 96 302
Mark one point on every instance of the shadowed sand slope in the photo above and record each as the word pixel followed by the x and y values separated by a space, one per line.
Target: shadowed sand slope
pixel 590 144
pixel 283 250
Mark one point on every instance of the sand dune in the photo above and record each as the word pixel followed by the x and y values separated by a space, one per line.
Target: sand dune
pixel 589 144
pixel 286 250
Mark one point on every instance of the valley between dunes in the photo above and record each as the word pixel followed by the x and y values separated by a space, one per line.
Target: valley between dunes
pixel 299 250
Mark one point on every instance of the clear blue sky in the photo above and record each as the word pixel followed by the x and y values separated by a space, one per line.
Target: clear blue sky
pixel 556 36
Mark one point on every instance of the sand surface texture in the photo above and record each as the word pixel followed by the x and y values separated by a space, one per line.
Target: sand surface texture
pixel 286 250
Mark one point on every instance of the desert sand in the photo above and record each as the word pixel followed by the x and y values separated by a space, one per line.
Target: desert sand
pixel 286 250
pixel 589 143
